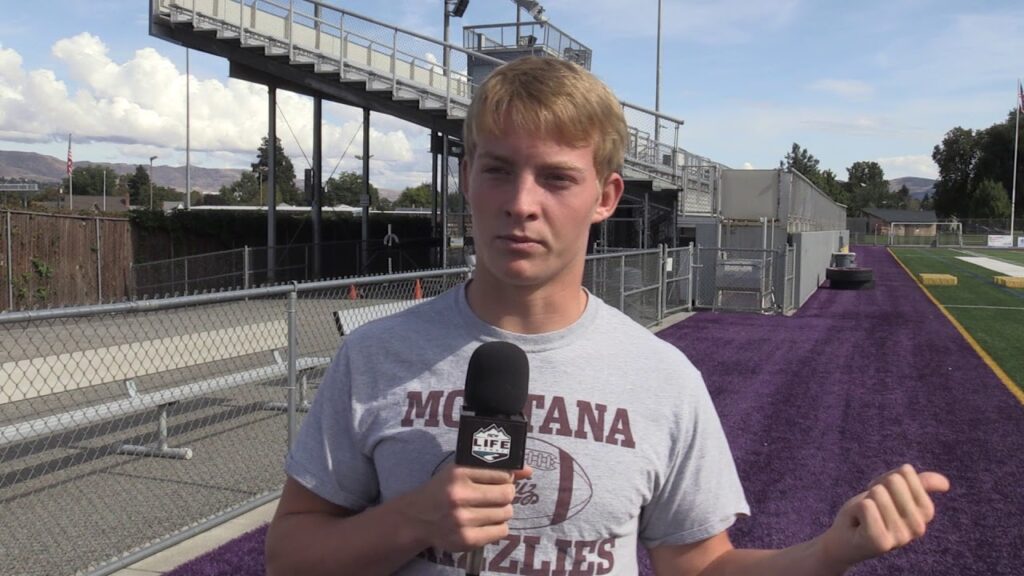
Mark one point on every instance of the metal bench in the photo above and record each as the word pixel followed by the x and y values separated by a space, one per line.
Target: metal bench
pixel 348 319
pixel 126 362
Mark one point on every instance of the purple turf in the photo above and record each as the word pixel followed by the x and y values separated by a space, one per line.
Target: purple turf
pixel 242 556
pixel 855 383
pixel 817 404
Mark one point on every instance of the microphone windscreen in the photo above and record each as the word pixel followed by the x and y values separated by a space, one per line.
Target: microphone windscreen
pixel 498 379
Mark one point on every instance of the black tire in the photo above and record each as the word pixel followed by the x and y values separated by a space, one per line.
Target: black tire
pixel 851 275
pixel 840 285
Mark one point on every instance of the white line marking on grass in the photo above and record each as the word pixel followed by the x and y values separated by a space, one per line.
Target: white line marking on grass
pixel 986 307
pixel 992 264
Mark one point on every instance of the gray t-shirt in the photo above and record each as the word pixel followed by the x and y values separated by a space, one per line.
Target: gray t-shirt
pixel 624 441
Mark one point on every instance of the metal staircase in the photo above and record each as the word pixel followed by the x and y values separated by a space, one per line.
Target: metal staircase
pixel 315 48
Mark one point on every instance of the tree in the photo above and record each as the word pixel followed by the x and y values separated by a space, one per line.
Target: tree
pixel 245 191
pixel 990 201
pixel 138 187
pixel 927 203
pixel 416 197
pixel 956 158
pixel 831 186
pixel 347 188
pixel 284 173
pixel 866 186
pixel 88 180
pixel 801 160
pixel 966 159
pixel 902 198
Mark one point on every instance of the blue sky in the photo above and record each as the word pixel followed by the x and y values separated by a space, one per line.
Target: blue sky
pixel 878 80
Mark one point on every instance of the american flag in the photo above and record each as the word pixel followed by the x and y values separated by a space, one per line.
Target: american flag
pixel 71 164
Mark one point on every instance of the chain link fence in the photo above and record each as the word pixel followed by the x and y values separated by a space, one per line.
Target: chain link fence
pixel 629 281
pixel 678 279
pixel 247 267
pixel 122 425
pixel 735 279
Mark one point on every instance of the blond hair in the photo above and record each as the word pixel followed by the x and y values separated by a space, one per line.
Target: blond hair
pixel 554 99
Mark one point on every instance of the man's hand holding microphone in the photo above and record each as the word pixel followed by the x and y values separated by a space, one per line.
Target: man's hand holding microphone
pixel 468 504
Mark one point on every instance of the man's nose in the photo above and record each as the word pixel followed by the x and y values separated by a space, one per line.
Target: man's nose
pixel 523 196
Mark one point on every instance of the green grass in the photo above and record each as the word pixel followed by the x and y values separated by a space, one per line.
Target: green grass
pixel 993 315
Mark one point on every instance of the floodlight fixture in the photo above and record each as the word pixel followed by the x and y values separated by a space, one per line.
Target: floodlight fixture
pixel 533 8
pixel 458 7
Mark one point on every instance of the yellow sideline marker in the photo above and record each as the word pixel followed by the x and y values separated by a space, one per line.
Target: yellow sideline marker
pixel 1009 281
pixel 1017 392
pixel 938 279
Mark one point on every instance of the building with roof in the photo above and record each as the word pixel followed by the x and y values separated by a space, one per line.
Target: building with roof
pixel 908 222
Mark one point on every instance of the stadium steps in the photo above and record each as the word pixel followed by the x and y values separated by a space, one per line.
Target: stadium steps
pixel 369 68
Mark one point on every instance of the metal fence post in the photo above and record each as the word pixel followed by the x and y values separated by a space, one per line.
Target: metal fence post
pixel 622 283
pixel 99 265
pixel 691 297
pixel 186 275
pixel 245 267
pixel 662 277
pixel 10 264
pixel 292 356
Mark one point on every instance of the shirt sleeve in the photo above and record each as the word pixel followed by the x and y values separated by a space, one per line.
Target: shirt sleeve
pixel 700 494
pixel 327 456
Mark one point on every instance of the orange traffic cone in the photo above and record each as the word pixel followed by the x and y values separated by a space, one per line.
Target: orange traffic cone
pixel 417 290
pixel 352 294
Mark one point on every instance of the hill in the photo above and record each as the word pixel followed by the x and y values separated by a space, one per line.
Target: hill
pixel 918 186
pixel 47 169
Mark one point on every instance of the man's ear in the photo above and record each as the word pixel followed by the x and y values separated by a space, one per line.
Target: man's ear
pixel 611 193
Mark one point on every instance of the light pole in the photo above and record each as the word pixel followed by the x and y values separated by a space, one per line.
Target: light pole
pixel 657 82
pixel 451 8
pixel 657 76
pixel 151 158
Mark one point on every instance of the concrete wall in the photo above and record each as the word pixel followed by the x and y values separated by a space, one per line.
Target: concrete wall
pixel 814 254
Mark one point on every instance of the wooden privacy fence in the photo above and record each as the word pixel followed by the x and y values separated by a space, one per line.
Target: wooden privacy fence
pixel 51 260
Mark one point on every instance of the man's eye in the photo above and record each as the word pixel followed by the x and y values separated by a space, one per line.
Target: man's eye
pixel 495 170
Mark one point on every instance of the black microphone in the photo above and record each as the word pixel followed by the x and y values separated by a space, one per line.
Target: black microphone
pixel 492 427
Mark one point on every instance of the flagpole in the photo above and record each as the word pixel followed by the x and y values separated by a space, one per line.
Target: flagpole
pixel 1016 139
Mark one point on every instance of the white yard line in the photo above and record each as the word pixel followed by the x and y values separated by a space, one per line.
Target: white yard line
pixel 1004 268
pixel 986 307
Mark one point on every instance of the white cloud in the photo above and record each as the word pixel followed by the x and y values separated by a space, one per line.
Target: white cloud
pixel 916 165
pixel 748 166
pixel 140 103
pixel 848 89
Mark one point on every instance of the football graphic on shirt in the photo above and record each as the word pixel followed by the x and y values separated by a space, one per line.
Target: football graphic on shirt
pixel 558 490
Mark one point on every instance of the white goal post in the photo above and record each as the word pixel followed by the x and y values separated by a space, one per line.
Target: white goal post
pixel 939 234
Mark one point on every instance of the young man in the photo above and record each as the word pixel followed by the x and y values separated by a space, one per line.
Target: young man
pixel 624 445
